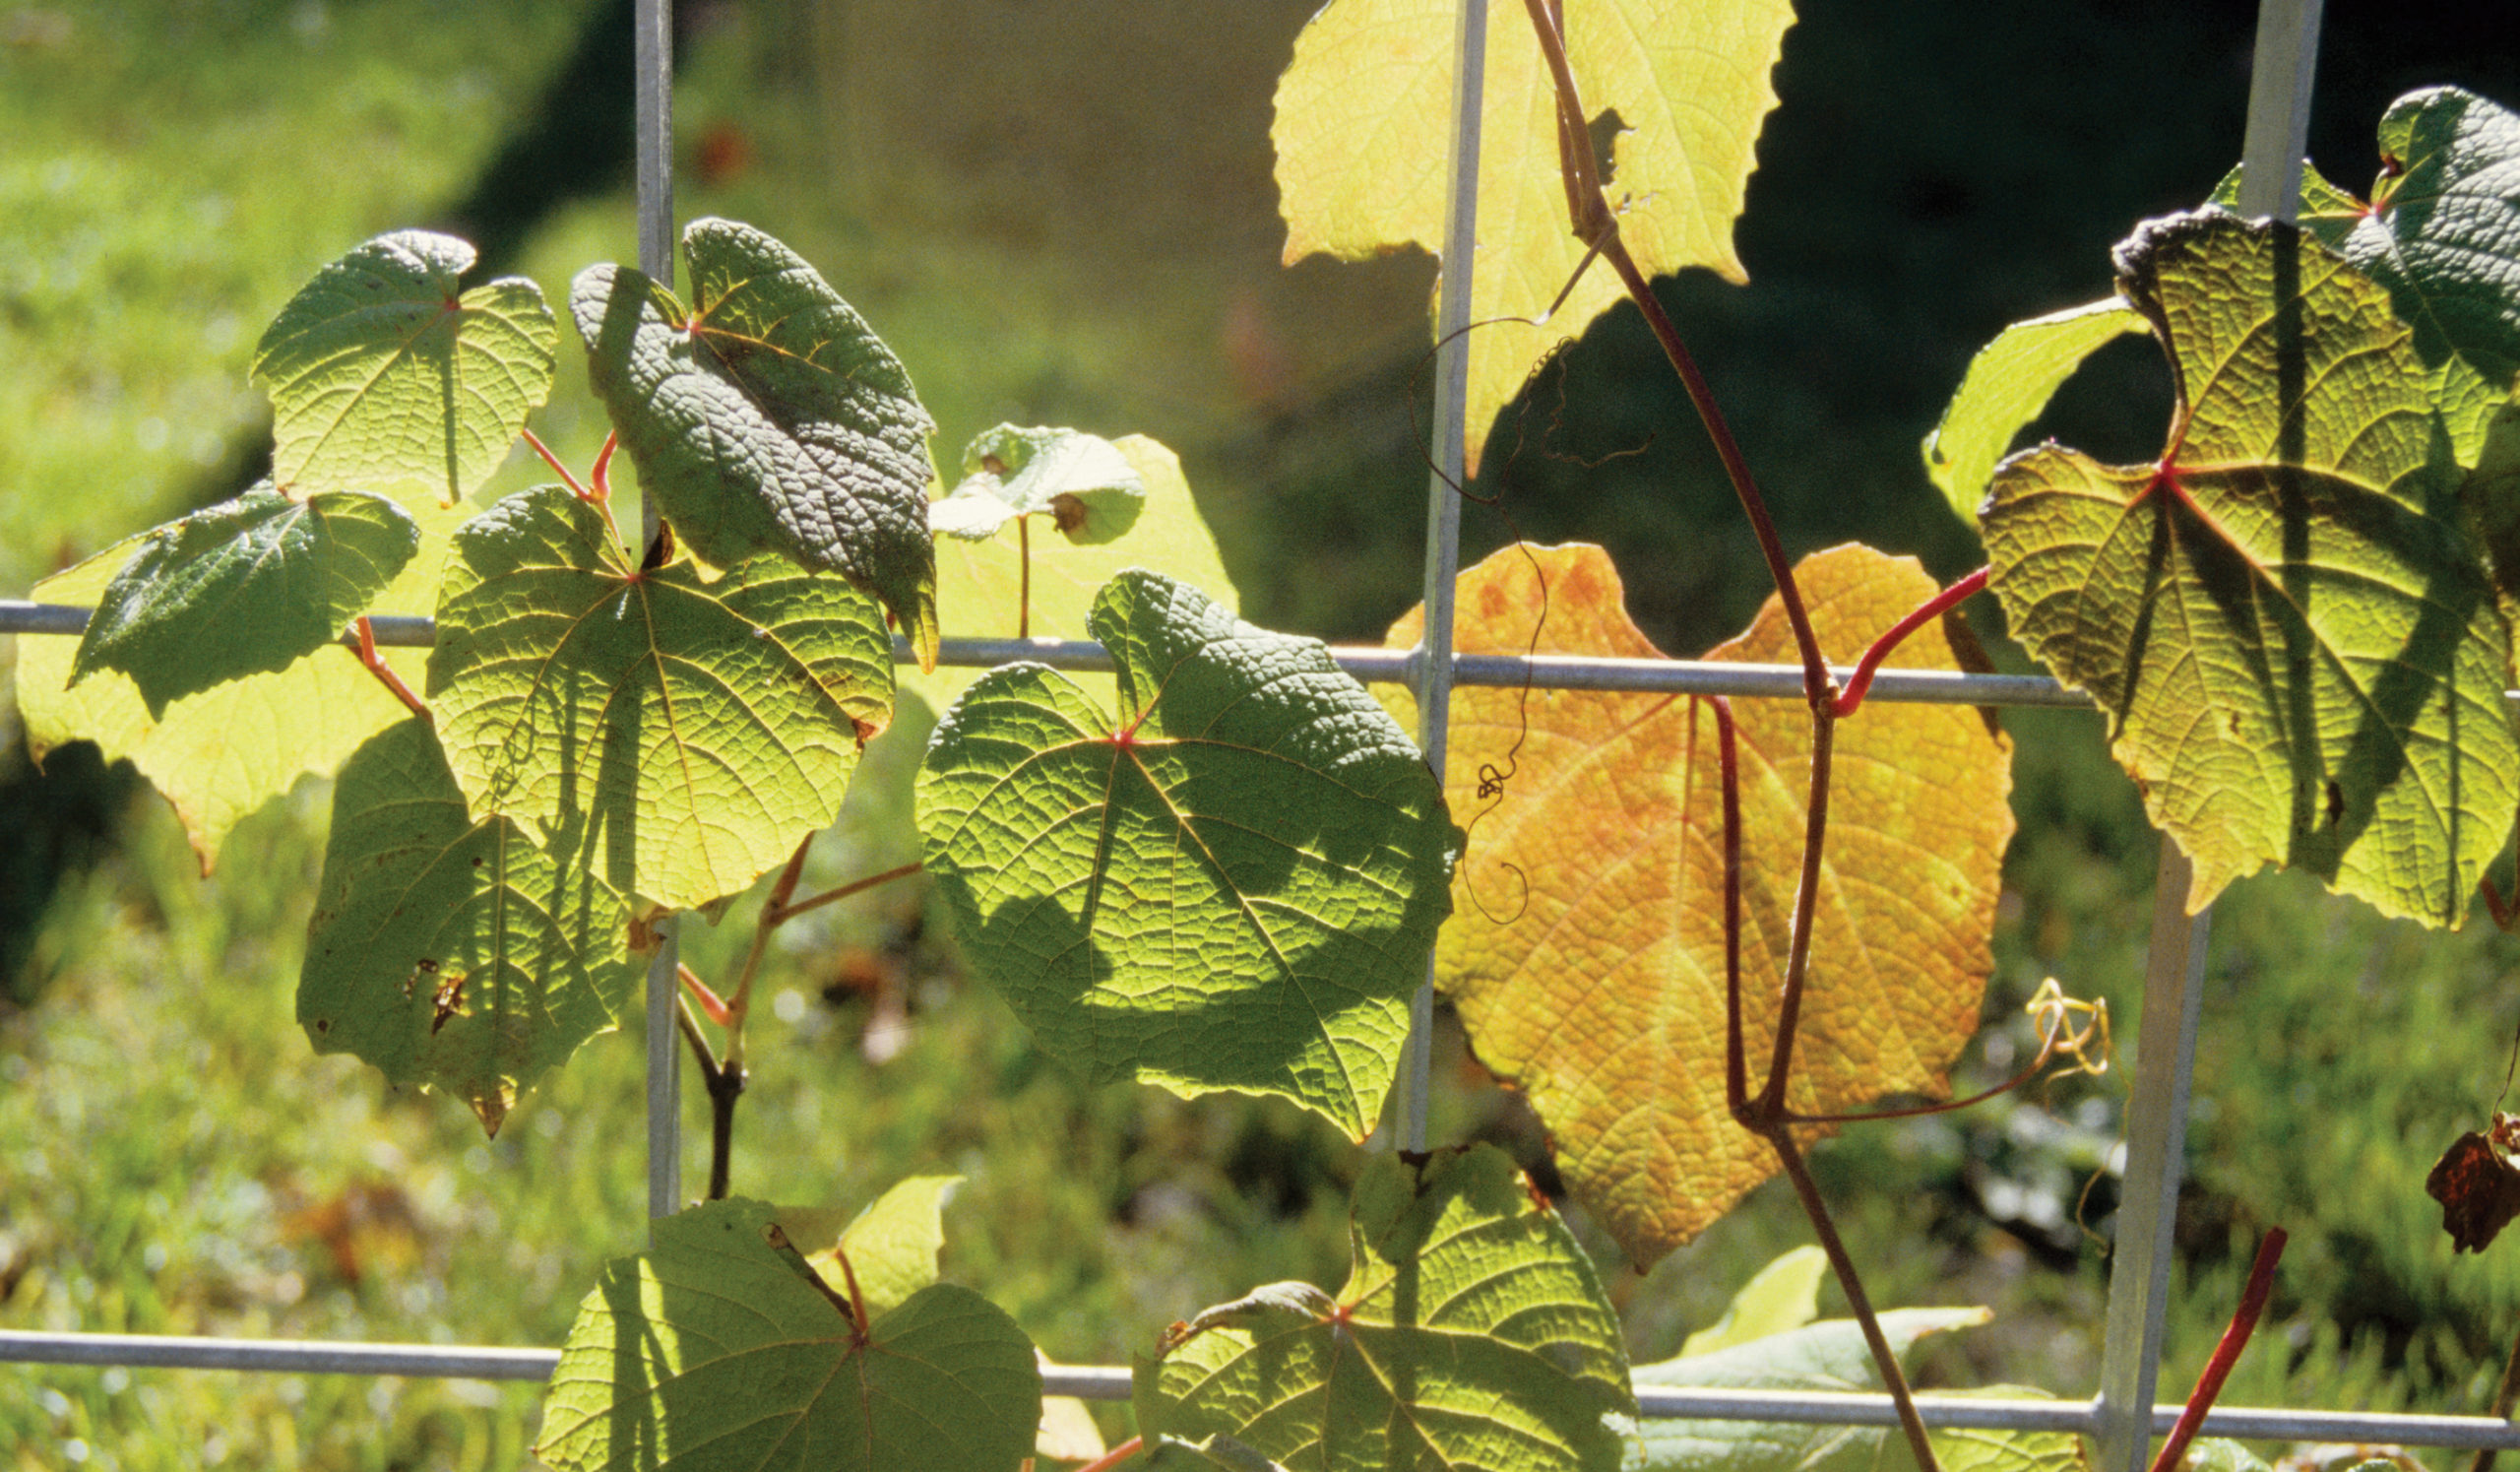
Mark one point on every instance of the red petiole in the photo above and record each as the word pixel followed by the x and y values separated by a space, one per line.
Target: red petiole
pixel 377 667
pixel 2261 1280
pixel 1933 607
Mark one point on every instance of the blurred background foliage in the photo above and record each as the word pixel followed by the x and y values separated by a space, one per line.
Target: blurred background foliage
pixel 1062 213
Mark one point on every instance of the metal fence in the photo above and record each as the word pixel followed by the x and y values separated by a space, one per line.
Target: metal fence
pixel 2120 1419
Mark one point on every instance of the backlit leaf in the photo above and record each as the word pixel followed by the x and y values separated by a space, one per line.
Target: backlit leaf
pixel 384 378
pixel 2291 637
pixel 2444 237
pixel 721 1349
pixel 701 728
pixel 1678 91
pixel 219 755
pixel 243 588
pixel 1585 951
pixel 768 417
pixel 452 953
pixel 2326 214
pixel 892 1244
pixel 2008 384
pixel 1233 884
pixel 1784 1295
pixel 1471 1335
pixel 1082 483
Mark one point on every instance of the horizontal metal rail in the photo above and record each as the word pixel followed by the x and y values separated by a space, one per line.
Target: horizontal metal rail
pixel 1369 665
pixel 1111 1382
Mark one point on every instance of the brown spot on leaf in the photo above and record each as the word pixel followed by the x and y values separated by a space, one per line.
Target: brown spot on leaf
pixel 448 1001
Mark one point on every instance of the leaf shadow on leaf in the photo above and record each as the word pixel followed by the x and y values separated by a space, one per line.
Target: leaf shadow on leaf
pixel 635 1344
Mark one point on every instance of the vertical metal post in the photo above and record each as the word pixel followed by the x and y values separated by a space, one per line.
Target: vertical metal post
pixel 1432 684
pixel 652 59
pixel 2279 121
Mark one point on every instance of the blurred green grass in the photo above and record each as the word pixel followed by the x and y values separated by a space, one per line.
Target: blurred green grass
pixel 1063 216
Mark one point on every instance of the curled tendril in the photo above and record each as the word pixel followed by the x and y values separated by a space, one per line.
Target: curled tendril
pixel 2056 1016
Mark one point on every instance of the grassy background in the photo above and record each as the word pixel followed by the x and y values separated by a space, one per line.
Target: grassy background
pixel 1063 215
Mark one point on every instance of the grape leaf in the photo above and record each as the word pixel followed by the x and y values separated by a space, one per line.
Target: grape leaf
pixel 721 1348
pixel 1081 481
pixel 1784 1295
pixel 384 379
pixel 702 727
pixel 892 1244
pixel 2294 644
pixel 243 588
pixel 2444 236
pixel 768 417
pixel 979 583
pixel 2008 384
pixel 2327 214
pixel 1471 1335
pixel 222 753
pixel 1217 1454
pixel 1363 128
pixel 1587 951
pixel 1234 885
pixel 452 953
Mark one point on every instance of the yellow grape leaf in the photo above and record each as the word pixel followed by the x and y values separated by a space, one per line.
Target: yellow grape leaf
pixel 1364 123
pixel 977 582
pixel 219 754
pixel 1587 954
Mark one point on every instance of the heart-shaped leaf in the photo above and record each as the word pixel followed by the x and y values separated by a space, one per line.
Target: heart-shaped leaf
pixel 1233 884
pixel 2292 637
pixel 768 417
pixel 721 1348
pixel 384 378
pixel 2008 383
pixel 1082 483
pixel 1471 1335
pixel 1587 951
pixel 2444 236
pixel 699 728
pixel 1677 92
pixel 452 953
pixel 243 588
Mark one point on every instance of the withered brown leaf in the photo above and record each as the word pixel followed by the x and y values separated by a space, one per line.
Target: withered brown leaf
pixel 2477 1185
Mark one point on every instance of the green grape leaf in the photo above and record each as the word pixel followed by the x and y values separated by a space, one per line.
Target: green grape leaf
pixel 1363 128
pixel 982 588
pixel 2492 495
pixel 2008 384
pixel 452 953
pixel 2292 637
pixel 243 588
pixel 768 417
pixel 892 1245
pixel 702 727
pixel 1218 1454
pixel 1784 1295
pixel 219 754
pixel 1986 1450
pixel 2327 214
pixel 1471 1335
pixel 2220 1454
pixel 1827 1355
pixel 1082 483
pixel 2444 236
pixel 384 379
pixel 721 1348
pixel 1231 885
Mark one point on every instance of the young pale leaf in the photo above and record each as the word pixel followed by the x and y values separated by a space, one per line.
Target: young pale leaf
pixel 1233 885
pixel 1829 1356
pixel 1784 1295
pixel 243 588
pixel 1471 1335
pixel 719 1348
pixel 699 728
pixel 452 953
pixel 2008 383
pixel 384 379
pixel 768 417
pixel 2293 638
pixel 1083 484
pixel 222 753
pixel 1587 951
pixel 1678 92
pixel 982 588
pixel 2444 236
pixel 892 1245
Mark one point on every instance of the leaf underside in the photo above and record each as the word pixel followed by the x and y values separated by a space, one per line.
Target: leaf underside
pixel 451 953
pixel 2296 649
pixel 700 729
pixel 1471 1335
pixel 1083 484
pixel 1587 951
pixel 2008 384
pixel 768 417
pixel 1231 885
